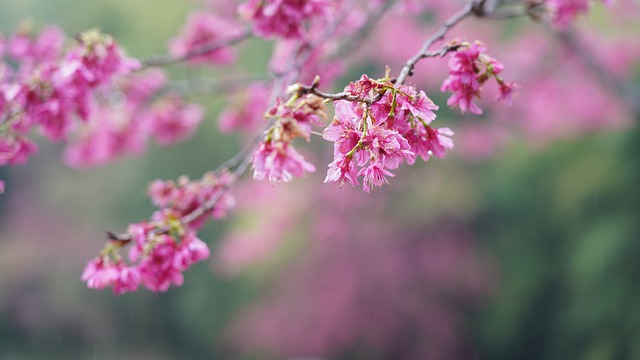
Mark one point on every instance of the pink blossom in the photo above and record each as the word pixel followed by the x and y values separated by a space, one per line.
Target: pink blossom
pixel 171 120
pixel 439 141
pixel 203 29
pixel 469 69
pixel 162 193
pixel 109 134
pixel 16 150
pixel 371 140
pixel 506 90
pixel 192 250
pixel 283 18
pixel 139 87
pixel 374 175
pixel 343 130
pixel 279 162
pixel 386 147
pixel 186 196
pixel 563 12
pixel 246 113
pixel 163 265
pixel 31 50
pixel 99 273
pixel 158 269
pixel 342 169
pixel 463 79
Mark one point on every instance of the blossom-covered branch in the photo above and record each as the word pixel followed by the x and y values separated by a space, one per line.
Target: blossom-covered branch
pixel 379 124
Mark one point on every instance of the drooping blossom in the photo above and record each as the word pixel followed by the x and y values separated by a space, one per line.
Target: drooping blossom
pixel 283 18
pixel 279 162
pixel 164 264
pixel 161 250
pixel 469 69
pixel 202 30
pixel 101 272
pixel 464 79
pixel 275 158
pixel 164 246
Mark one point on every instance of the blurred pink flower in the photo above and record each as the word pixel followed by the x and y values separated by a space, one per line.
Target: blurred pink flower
pixel 202 29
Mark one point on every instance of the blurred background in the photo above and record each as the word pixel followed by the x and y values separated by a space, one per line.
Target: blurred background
pixel 522 243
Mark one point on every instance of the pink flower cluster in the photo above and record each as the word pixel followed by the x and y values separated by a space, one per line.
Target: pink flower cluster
pixel 275 158
pixel 158 262
pixel 203 28
pixel 283 18
pixel 563 12
pixel 163 248
pixel 371 140
pixel 50 90
pixel 469 69
pixel 130 117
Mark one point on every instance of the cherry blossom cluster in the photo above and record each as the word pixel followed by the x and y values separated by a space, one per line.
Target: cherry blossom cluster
pixel 167 245
pixel 50 90
pixel 370 140
pixel 92 96
pixel 132 116
pixel 284 18
pixel 275 158
pixel 469 69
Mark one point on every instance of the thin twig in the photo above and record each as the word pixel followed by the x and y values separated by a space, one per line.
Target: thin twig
pixel 198 86
pixel 407 69
pixel 165 60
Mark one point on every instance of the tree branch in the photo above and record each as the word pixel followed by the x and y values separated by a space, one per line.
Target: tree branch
pixel 407 70
pixel 165 60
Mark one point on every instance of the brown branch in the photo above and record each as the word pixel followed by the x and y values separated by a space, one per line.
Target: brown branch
pixel 200 86
pixel 472 7
pixel 165 60
pixel 196 213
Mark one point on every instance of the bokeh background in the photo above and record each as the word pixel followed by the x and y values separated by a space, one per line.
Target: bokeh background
pixel 522 244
